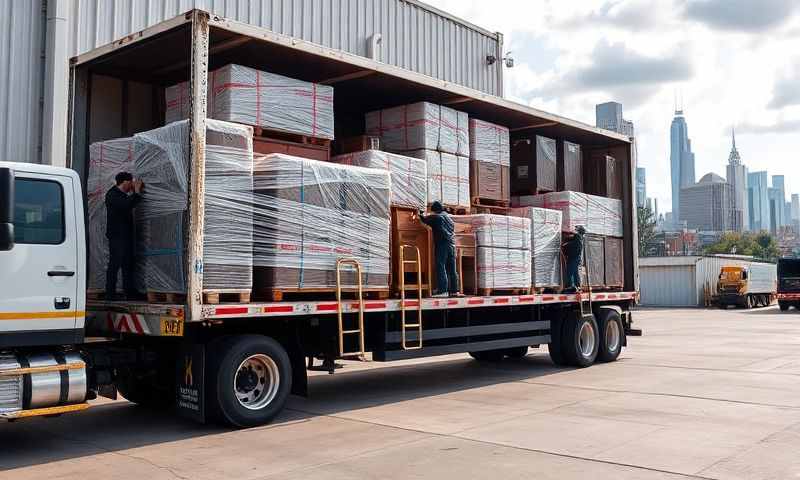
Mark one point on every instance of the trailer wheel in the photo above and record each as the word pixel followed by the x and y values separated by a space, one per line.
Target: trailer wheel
pixel 612 335
pixel 784 306
pixel 516 352
pixel 748 302
pixel 556 347
pixel 249 380
pixel 488 355
pixel 581 340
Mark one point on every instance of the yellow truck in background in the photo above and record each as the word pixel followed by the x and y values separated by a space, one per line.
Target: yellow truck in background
pixel 747 286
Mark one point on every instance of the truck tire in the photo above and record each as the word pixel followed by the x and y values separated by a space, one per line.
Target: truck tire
pixel 488 355
pixel 748 302
pixel 555 347
pixel 516 352
pixel 249 380
pixel 580 340
pixel 612 335
pixel 784 306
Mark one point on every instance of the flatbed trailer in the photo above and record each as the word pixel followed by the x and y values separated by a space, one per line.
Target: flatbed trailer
pixel 238 362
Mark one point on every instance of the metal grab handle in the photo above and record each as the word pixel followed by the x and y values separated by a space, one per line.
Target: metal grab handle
pixel 339 308
pixel 60 273
pixel 403 324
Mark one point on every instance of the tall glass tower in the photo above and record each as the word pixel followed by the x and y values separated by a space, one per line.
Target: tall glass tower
pixel 681 160
pixel 737 178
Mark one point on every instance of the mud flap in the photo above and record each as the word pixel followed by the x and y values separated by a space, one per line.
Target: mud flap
pixel 190 381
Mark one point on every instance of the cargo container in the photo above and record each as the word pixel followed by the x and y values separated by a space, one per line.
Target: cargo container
pixel 237 361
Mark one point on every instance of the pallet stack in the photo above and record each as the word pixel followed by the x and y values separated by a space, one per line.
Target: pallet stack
pixel 436 134
pixel 533 161
pixel 545 245
pixel 489 164
pixel 503 254
pixel 308 214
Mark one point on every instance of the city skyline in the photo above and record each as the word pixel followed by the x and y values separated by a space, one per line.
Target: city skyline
pixel 731 67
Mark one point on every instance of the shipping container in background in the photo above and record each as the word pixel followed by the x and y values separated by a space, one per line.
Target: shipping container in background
pixel 40 36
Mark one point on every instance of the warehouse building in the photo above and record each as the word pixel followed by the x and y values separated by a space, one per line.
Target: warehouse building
pixel 683 281
pixel 40 36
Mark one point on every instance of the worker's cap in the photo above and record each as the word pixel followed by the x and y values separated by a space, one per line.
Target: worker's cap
pixel 580 229
pixel 123 177
pixel 437 206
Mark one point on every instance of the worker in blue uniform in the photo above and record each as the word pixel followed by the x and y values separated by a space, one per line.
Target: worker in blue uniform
pixel 573 252
pixel 444 241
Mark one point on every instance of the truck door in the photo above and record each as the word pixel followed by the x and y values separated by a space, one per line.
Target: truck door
pixel 39 275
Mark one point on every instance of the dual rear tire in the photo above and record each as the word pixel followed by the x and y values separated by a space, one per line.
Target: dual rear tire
pixel 581 340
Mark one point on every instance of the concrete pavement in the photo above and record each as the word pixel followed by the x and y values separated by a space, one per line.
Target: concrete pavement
pixel 704 394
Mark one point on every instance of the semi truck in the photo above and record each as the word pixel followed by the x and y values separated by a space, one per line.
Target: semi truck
pixel 788 283
pixel 747 286
pixel 237 362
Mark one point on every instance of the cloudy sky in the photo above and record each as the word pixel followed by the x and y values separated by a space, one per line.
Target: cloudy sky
pixel 733 63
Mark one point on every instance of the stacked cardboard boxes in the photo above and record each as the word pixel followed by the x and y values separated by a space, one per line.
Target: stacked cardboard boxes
pixel 545 245
pixel 408 174
pixel 489 162
pixel 533 160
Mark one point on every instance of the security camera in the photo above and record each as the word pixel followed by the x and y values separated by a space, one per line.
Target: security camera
pixel 509 60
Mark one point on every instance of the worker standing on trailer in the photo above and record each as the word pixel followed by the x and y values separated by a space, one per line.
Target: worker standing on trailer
pixel 573 251
pixel 120 201
pixel 444 240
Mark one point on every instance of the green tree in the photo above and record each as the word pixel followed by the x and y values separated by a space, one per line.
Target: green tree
pixel 760 245
pixel 646 223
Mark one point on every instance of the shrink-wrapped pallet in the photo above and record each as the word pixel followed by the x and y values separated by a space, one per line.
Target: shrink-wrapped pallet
pixel 262 99
pixel 408 174
pixel 489 142
pixel 419 126
pixel 106 160
pixel 498 230
pixel 503 268
pixel 545 244
pixel 598 215
pixel 161 159
pixel 308 214
pixel 448 177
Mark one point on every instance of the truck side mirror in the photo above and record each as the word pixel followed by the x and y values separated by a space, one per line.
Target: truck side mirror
pixel 6 209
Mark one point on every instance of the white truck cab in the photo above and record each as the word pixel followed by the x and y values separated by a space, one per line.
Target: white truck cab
pixel 42 256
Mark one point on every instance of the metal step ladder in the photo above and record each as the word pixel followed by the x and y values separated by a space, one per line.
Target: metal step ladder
pixel 360 353
pixel 403 324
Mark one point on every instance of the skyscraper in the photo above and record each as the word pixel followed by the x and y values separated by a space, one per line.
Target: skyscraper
pixel 796 211
pixel 681 161
pixel 708 205
pixel 609 116
pixel 778 184
pixel 758 201
pixel 737 178
pixel 641 187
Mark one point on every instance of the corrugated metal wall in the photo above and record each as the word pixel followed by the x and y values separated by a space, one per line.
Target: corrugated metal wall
pixel 21 74
pixel 668 285
pixel 413 37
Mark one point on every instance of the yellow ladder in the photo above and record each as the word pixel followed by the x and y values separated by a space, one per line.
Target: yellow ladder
pixel 340 309
pixel 403 324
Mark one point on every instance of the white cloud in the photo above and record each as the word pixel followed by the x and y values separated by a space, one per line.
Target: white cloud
pixel 731 60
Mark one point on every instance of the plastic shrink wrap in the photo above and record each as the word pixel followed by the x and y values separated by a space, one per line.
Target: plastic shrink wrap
pixel 503 249
pixel 420 126
pixel 545 244
pixel 308 214
pixel 503 268
pixel 498 230
pixel 598 215
pixel 448 177
pixel 408 175
pixel 262 99
pixel 489 142
pixel 106 159
pixel 161 161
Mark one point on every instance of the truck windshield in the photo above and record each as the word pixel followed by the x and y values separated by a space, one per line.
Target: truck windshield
pixel 730 275
pixel 789 267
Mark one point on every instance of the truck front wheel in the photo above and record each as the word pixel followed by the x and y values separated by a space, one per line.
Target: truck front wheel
pixel 783 306
pixel 250 380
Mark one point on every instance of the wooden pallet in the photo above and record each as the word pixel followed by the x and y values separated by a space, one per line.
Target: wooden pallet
pixel 489 202
pixel 291 137
pixel 490 209
pixel 166 297
pixel 488 292
pixel 281 294
pixel 211 297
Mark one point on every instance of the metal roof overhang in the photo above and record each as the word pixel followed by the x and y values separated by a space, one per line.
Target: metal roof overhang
pixel 160 54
